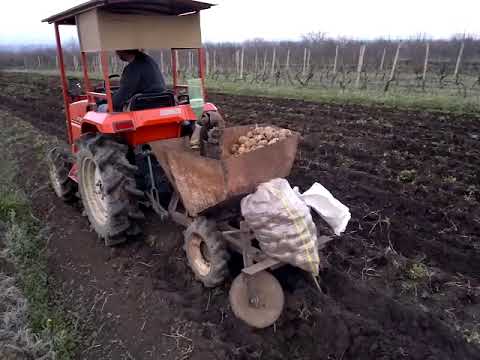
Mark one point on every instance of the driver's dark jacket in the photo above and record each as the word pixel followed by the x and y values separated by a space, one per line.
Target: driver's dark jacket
pixel 142 75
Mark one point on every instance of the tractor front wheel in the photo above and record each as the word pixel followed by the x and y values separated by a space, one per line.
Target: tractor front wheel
pixel 107 188
pixel 206 252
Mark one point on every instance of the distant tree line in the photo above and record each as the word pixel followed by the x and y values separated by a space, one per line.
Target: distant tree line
pixel 316 58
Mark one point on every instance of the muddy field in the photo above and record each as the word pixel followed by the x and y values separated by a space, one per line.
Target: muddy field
pixel 402 283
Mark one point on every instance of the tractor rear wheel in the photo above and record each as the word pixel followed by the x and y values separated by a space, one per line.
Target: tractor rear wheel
pixel 59 162
pixel 206 252
pixel 107 188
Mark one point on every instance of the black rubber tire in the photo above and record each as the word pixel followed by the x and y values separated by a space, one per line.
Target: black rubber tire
pixel 203 233
pixel 59 162
pixel 115 187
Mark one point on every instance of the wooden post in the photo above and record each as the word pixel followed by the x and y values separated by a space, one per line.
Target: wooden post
pixel 395 62
pixel 382 61
pixel 256 61
pixel 335 62
pixel 241 62
pixel 304 71
pixel 425 64
pixel 459 60
pixel 287 64
pixel 360 65
pixel 272 72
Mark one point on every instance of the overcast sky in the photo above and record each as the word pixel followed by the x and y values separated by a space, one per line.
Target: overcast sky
pixel 238 20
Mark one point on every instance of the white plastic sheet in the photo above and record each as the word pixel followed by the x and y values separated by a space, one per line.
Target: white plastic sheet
pixel 330 209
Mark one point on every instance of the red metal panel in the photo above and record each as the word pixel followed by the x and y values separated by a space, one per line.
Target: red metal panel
pixel 63 77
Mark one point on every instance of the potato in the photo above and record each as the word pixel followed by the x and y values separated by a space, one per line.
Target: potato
pixel 258 138
pixel 269 135
pixel 235 148
pixel 250 143
pixel 285 133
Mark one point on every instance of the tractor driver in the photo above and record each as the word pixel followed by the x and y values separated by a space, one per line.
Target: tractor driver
pixel 141 75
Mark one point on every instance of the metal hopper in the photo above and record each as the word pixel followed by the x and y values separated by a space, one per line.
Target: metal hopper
pixel 203 182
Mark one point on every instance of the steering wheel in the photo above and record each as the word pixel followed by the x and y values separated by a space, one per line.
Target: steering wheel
pixel 113 87
pixel 101 87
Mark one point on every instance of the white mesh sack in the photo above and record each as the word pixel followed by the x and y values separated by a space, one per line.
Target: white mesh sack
pixel 282 224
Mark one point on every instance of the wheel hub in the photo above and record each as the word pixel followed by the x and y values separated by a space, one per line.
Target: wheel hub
pixel 201 255
pixel 94 190
pixel 257 299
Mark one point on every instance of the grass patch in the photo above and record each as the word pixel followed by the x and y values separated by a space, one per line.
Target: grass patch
pixel 394 99
pixel 25 245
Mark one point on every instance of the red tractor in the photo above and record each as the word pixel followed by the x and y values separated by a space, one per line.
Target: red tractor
pixel 121 162
pixel 110 147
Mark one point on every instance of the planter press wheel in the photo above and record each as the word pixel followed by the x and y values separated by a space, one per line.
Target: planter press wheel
pixel 257 299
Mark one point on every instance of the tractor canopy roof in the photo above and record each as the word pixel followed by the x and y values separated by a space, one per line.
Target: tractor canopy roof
pixel 105 25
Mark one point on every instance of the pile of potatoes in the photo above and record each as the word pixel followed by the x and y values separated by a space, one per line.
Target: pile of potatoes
pixel 258 138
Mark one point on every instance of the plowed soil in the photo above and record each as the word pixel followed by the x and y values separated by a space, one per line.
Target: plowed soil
pixel 401 283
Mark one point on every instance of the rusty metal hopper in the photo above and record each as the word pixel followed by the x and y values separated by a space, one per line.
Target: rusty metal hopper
pixel 203 182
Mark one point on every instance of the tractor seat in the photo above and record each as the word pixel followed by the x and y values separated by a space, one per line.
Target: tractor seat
pixel 152 100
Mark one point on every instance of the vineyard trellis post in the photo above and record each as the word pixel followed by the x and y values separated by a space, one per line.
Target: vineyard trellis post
pixel 360 65
pixel 304 71
pixel 237 62
pixel 287 63
pixel 190 62
pixel 162 63
pixel 382 61
pixel 214 61
pixel 394 67
pixel 395 62
pixel 425 65
pixel 75 63
pixel 335 62
pixel 207 63
pixel 242 56
pixel 459 60
pixel 177 63
pixel 272 73
pixel 308 59
pixel 265 63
